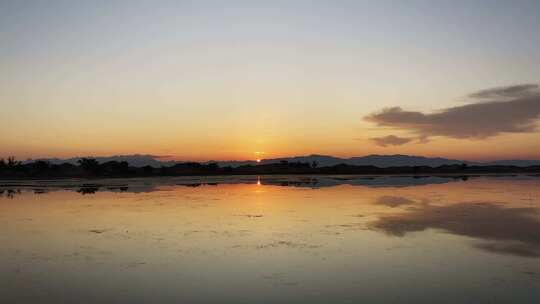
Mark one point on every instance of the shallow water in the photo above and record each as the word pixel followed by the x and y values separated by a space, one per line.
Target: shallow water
pixel 271 240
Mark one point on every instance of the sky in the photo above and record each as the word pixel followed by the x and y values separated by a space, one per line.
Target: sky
pixel 199 80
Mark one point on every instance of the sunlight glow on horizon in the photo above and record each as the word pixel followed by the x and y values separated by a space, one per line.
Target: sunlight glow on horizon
pixel 243 80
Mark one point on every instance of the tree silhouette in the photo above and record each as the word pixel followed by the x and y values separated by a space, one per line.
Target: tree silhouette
pixel 12 163
pixel 148 170
pixel 212 166
pixel 41 166
pixel 114 168
pixel 89 165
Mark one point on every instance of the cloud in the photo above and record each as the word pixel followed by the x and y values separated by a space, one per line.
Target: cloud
pixel 515 91
pixel 516 111
pixel 391 140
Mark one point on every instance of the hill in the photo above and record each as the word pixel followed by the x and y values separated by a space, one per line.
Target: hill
pixel 381 161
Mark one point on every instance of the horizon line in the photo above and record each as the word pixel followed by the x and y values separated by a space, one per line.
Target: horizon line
pixel 173 158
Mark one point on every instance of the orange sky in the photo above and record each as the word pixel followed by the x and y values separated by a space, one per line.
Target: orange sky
pixel 222 81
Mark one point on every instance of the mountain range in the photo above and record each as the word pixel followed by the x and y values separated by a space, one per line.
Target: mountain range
pixel 382 161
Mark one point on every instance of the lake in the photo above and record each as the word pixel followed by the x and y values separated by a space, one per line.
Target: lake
pixel 271 239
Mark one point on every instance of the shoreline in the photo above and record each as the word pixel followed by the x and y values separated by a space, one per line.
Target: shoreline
pixel 264 179
pixel 367 175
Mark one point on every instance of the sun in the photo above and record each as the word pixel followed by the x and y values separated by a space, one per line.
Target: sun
pixel 258 154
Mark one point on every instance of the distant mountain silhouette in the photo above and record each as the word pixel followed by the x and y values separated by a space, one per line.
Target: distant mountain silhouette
pixel 135 160
pixel 310 165
pixel 381 161
pixel 515 162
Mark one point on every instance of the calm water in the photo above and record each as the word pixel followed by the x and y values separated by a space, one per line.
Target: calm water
pixel 271 240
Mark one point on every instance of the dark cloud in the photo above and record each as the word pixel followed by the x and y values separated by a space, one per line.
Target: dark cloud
pixel 391 140
pixel 393 201
pixel 504 230
pixel 515 91
pixel 477 120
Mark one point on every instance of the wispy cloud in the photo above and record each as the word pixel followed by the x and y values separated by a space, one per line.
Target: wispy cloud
pixel 391 140
pixel 514 91
pixel 513 109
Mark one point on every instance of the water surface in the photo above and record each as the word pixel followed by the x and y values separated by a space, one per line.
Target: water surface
pixel 271 240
